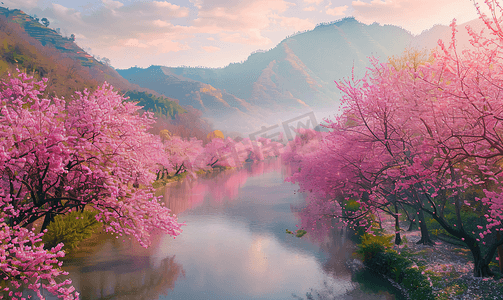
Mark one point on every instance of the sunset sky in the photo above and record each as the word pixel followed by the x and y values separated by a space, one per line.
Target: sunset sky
pixel 214 33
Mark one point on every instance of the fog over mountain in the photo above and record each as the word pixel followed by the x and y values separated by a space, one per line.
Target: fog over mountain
pixel 295 77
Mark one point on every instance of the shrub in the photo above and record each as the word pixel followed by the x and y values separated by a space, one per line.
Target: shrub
pixel 372 244
pixel 70 229
pixel 379 258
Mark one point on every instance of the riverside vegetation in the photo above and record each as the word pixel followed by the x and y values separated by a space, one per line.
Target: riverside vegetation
pixel 419 141
pixel 66 166
pixel 416 141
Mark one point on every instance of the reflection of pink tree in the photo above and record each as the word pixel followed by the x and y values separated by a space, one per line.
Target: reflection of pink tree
pixel 142 280
pixel 187 194
pixel 228 187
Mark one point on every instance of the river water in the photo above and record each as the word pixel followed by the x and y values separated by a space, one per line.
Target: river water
pixel 234 246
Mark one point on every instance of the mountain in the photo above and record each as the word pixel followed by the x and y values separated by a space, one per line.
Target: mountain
pixel 216 104
pixel 270 87
pixel 295 77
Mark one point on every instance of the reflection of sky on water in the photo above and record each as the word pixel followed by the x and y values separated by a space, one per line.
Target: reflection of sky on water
pixel 233 247
pixel 227 260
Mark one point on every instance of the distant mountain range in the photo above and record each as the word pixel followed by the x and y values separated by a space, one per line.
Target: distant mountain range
pixel 270 87
pixel 295 77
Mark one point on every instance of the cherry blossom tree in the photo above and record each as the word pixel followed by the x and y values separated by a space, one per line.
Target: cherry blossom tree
pixel 217 150
pixel 185 155
pixel 427 137
pixel 25 263
pixel 92 152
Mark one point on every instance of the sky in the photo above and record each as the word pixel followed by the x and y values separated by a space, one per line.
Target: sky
pixel 215 33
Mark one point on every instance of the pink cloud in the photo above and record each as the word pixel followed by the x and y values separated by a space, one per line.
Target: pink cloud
pixel 20 4
pixel 337 11
pixel 297 24
pixel 134 43
pixel 238 21
pixel 414 15
pixel 317 2
pixel 112 4
pixel 210 49
pixel 250 37
pixel 310 8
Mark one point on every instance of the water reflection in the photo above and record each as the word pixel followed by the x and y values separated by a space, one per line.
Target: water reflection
pixel 233 247
pixel 107 268
pixel 216 186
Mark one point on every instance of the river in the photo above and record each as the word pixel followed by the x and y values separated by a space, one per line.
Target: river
pixel 234 246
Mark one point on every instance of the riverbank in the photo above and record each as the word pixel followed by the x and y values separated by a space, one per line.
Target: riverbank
pixel 162 182
pixel 449 268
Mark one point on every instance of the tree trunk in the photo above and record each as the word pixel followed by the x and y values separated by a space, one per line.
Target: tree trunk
pixel 412 221
pixel 398 239
pixel 49 217
pixel 425 235
pixel 412 225
pixel 500 253
pixel 480 265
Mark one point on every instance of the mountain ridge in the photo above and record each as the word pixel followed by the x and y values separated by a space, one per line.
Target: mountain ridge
pixel 298 74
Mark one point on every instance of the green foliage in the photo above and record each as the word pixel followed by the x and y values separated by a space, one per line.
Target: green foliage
pixel 298 233
pixel 399 269
pixel 470 221
pixel 416 284
pixel 371 284
pixel 70 229
pixel 352 206
pixel 158 105
pixel 380 259
pixel 360 225
pixel 372 244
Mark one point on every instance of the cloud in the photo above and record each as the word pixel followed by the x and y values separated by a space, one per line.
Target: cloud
pixel 112 4
pixel 161 23
pixel 317 2
pixel 134 43
pixel 139 25
pixel 210 49
pixel 20 4
pixel 310 8
pixel 337 11
pixel 238 21
pixel 295 23
pixel 414 15
pixel 251 37
pixel 166 45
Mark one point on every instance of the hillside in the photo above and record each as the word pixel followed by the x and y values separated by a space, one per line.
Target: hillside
pixel 31 47
pixel 41 51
